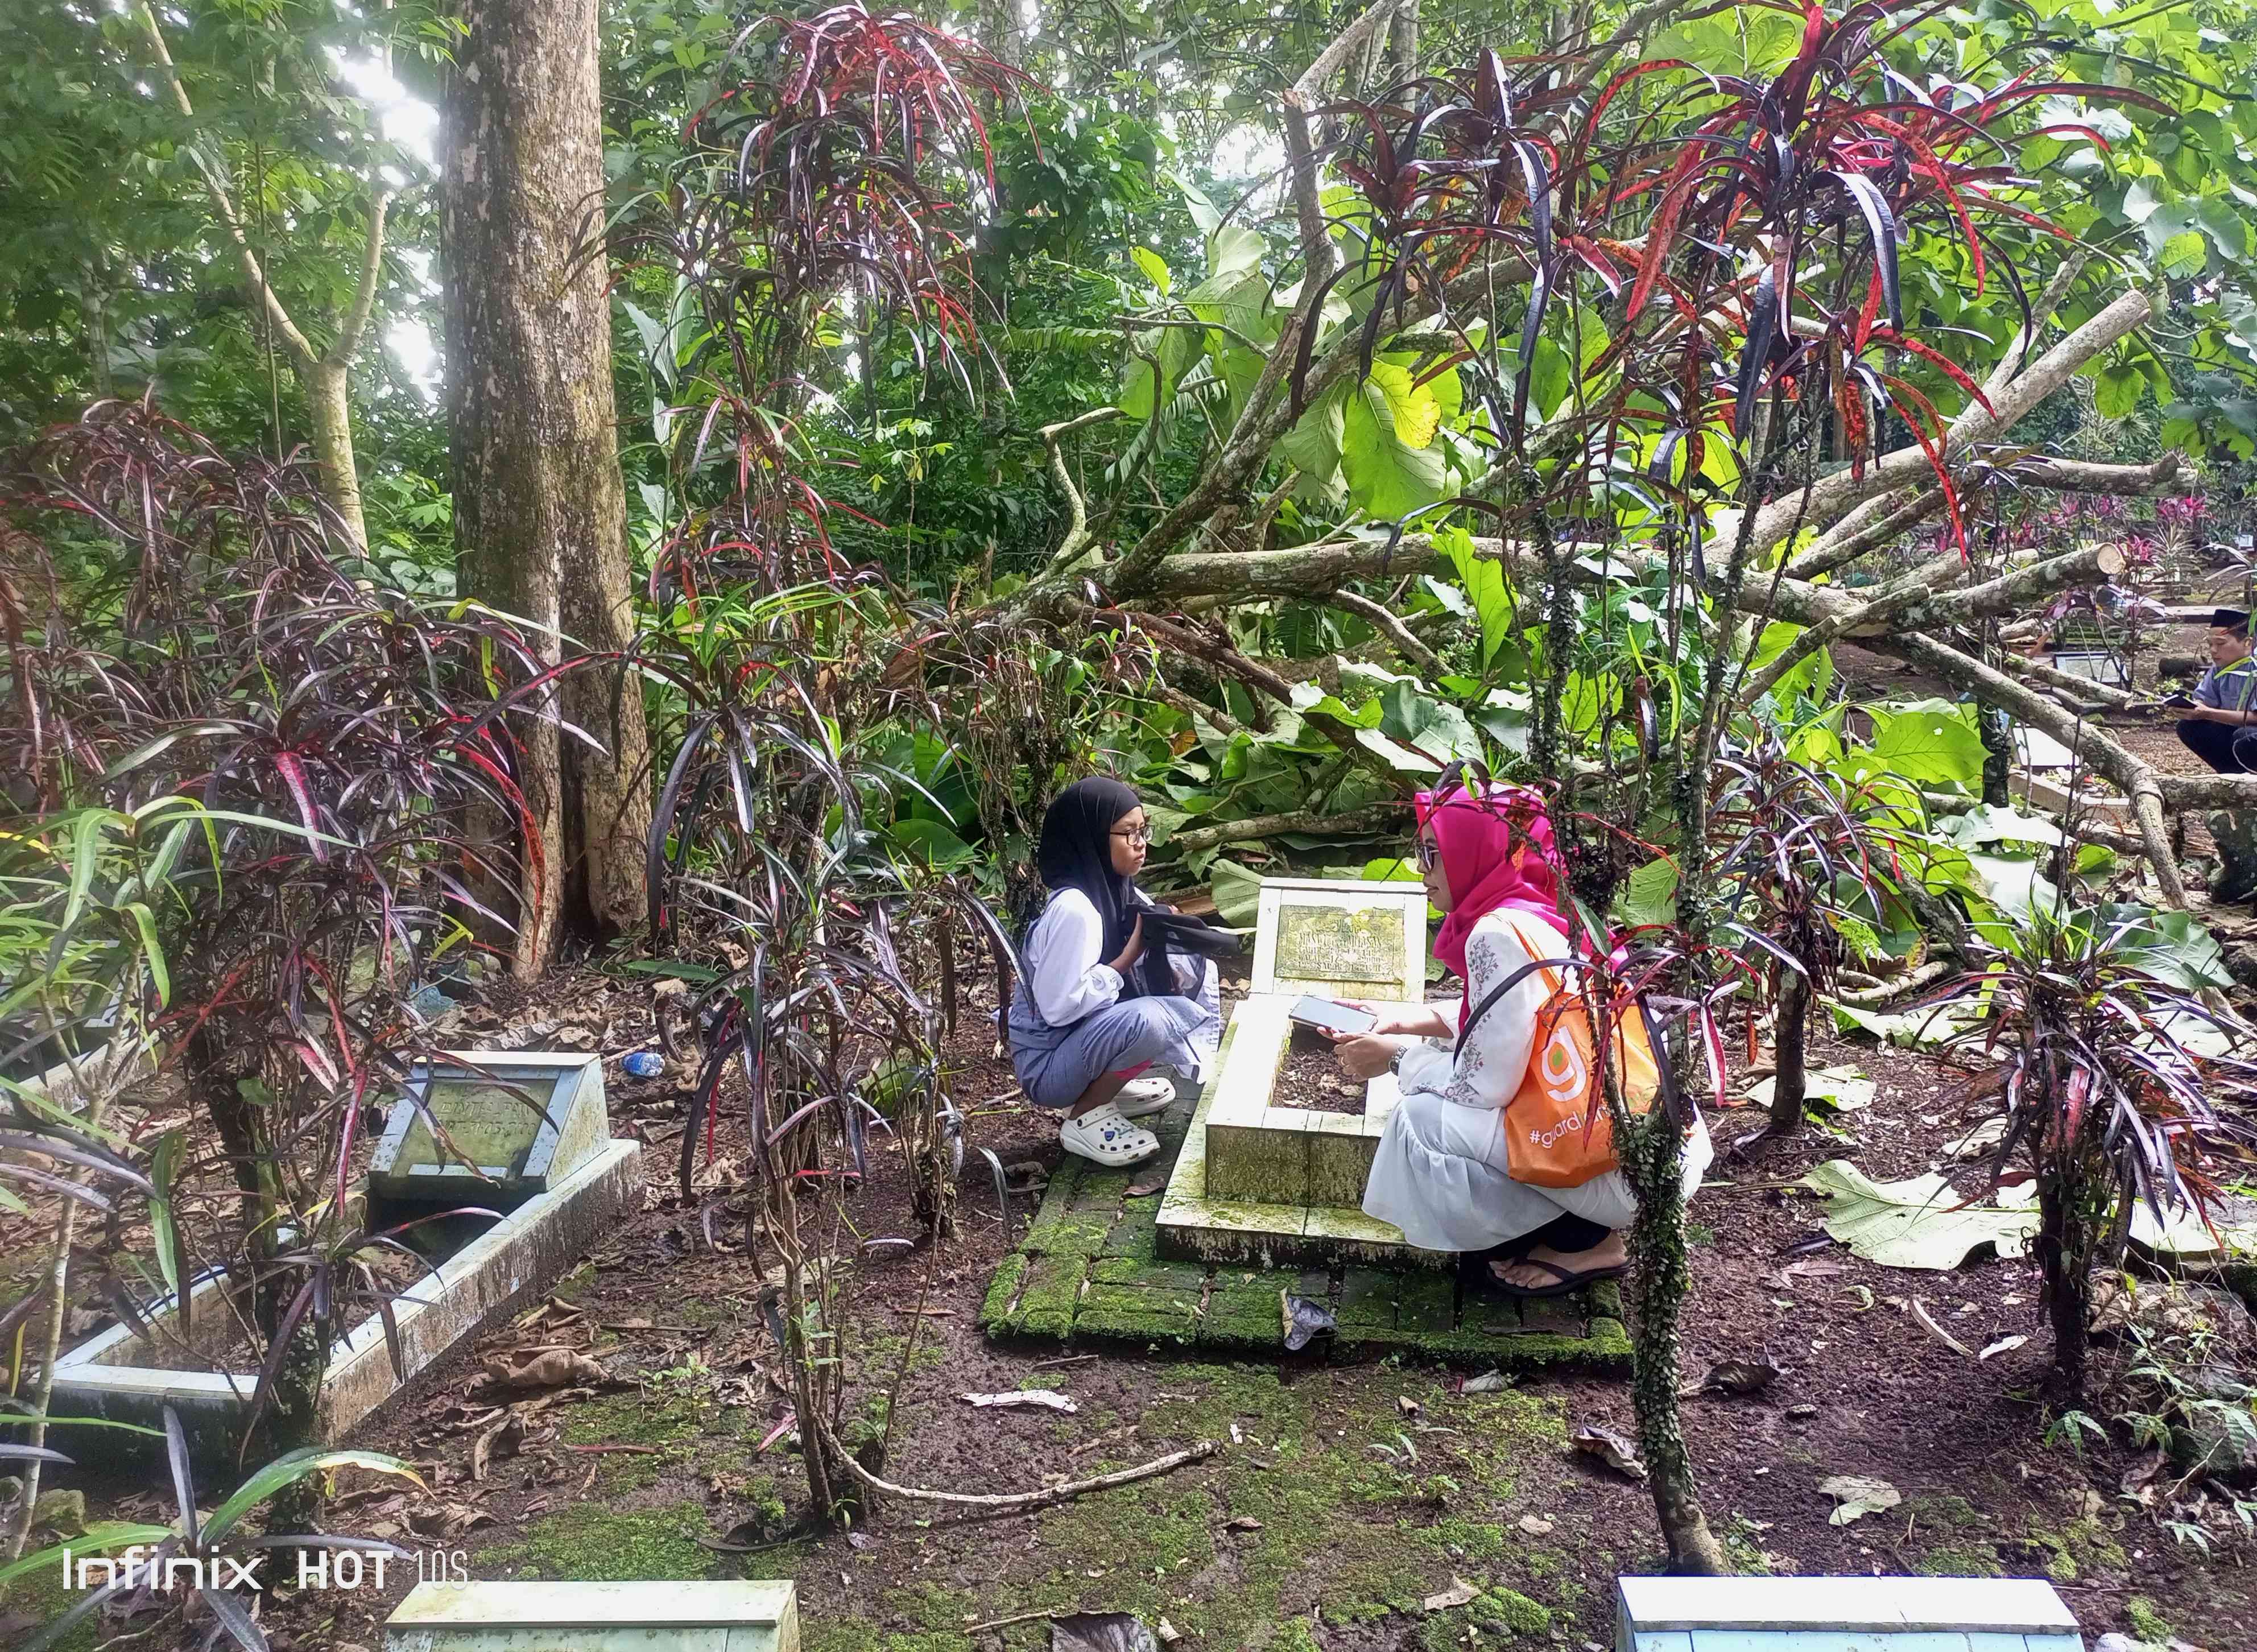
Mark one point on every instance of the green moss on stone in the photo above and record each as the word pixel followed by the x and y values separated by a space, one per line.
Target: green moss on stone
pixel 1243 1316
pixel 1064 1233
pixel 2148 1623
pixel 1516 1611
pixel 1003 1292
pixel 593 1543
pixel 1136 1235
pixel 1048 1295
pixel 676 1431
pixel 41 1595
pixel 1129 1324
pixel 1960 1560
pixel 1169 1276
pixel 1426 1304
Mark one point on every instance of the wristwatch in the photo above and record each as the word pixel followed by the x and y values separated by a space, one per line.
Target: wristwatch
pixel 1394 1061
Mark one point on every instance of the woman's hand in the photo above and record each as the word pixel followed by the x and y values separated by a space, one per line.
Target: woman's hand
pixel 1419 1021
pixel 1130 953
pixel 1365 1054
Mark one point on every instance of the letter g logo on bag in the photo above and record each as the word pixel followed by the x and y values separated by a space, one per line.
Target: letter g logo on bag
pixel 1562 1069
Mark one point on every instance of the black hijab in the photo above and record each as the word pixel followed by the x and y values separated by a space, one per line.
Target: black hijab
pixel 1076 852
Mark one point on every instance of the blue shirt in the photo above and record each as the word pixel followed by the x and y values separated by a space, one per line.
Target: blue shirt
pixel 2229 686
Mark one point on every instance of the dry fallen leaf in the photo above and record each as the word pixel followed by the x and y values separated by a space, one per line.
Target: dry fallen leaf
pixel 1858 1495
pixel 504 1439
pixel 1242 1523
pixel 2139 1481
pixel 449 1520
pixel 1610 1448
pixel 1535 1525
pixel 1460 1593
pixel 2004 1345
pixel 1144 1189
pixel 550 1368
pixel 1809 1268
pixel 1405 1404
pixel 1739 1376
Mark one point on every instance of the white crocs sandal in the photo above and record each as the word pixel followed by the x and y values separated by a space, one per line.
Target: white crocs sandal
pixel 1142 1097
pixel 1105 1137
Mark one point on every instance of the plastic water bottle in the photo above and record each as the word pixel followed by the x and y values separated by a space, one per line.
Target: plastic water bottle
pixel 643 1063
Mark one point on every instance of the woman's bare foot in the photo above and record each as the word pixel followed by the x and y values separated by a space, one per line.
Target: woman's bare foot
pixel 1535 1271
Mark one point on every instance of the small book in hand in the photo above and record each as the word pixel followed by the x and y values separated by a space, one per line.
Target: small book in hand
pixel 1186 933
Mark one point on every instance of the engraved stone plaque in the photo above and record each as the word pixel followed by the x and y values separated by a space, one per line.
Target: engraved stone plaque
pixel 1342 938
pixel 509 1126
pixel 1335 943
pixel 491 1124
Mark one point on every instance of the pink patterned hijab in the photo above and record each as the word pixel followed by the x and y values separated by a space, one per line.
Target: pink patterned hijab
pixel 1495 845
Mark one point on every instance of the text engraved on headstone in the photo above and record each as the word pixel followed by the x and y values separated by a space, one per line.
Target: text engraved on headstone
pixel 1334 943
pixel 493 1125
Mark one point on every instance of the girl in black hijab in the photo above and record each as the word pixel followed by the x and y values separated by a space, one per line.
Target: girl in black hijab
pixel 1100 998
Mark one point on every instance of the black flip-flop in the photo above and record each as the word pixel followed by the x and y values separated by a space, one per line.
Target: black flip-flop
pixel 1568 1282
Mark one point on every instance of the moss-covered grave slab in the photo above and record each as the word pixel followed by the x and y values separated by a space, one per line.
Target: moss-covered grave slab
pixel 1094 1266
pixel 1200 1221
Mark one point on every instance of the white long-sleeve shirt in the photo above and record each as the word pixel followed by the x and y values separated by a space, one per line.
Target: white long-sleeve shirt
pixel 1489 1070
pixel 1067 976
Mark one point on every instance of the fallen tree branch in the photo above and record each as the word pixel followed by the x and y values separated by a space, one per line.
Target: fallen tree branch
pixel 1222 721
pixel 1392 628
pixel 2082 830
pixel 2063 681
pixel 1352 823
pixel 1834 495
pixel 2134 778
pixel 1907 593
pixel 2057 289
pixel 1077 530
pixel 1221 658
pixel 2088 476
pixel 1018 1502
pixel 1870 525
pixel 1903 986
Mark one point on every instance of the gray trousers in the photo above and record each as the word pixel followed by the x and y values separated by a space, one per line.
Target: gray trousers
pixel 1055 1065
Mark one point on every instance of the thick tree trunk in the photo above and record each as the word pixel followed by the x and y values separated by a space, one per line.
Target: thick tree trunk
pixel 540 505
pixel 328 404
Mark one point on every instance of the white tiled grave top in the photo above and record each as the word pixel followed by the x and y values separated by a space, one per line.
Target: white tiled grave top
pixel 1843 1614
pixel 1284 1155
pixel 1337 938
pixel 596 1617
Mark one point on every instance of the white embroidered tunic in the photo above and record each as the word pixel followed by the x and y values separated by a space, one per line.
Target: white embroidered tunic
pixel 1440 1174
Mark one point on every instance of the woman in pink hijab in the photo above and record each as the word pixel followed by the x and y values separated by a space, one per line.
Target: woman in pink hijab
pixel 1440 1173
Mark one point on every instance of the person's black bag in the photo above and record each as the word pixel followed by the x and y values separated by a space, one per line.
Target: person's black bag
pixel 1187 933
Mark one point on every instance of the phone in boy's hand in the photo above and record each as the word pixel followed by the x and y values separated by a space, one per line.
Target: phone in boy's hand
pixel 1329 1016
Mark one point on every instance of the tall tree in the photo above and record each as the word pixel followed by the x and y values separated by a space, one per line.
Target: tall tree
pixel 540 504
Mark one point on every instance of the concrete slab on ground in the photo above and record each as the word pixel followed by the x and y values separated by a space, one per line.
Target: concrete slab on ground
pixel 1097 1265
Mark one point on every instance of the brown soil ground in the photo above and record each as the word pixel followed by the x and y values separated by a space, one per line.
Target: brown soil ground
pixel 651 1472
pixel 1345 1495
pixel 1309 1076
